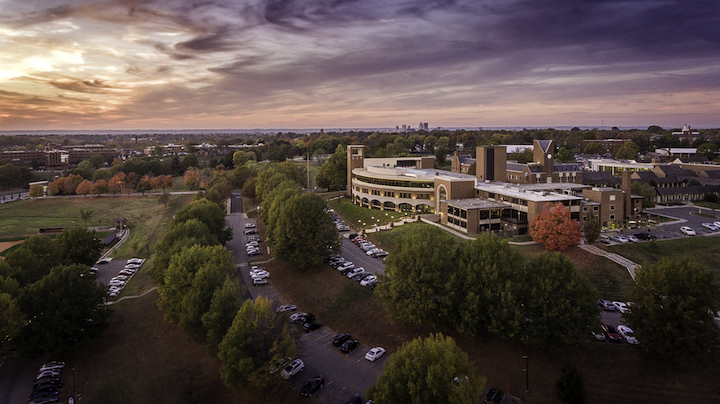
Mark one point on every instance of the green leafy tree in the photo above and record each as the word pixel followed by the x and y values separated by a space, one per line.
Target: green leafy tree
pixel 595 148
pixel 628 151
pixel 274 201
pixel 86 215
pixel 36 191
pixel 217 320
pixel 79 246
pixel 66 309
pixel 591 227
pixel 240 175
pixel 179 236
pixel 708 150
pixel 484 289
pixel 209 213
pixel 304 233
pixel 415 287
pixel 429 370
pixel 11 321
pixel 554 228
pixel 646 190
pixel 564 155
pixel 143 185
pixel 672 311
pixel 32 260
pixel 560 303
pixel 256 338
pixel 570 388
pixel 190 282
pixel 333 173
pixel 249 189
pixel 164 198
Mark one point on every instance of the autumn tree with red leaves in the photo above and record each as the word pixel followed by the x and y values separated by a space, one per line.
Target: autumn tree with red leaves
pixel 554 228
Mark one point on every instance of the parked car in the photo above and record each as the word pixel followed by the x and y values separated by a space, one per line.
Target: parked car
pixel 598 336
pixel 368 280
pixel 260 281
pixel 47 380
pixel 355 271
pixel 620 307
pixel 340 338
pixel 355 399
pixel 611 332
pixel 494 396
pixel 250 225
pixel 292 368
pixel 371 285
pixel 645 236
pixel 297 317
pixel 260 274
pixel 312 385
pixel 254 253
pixel 687 231
pixel 380 254
pixel 619 239
pixel 627 333
pixel 49 372
pixel 375 354
pixel 279 364
pixel 250 231
pixel 312 326
pixel 349 345
pixel 710 226
pixel 605 305
pixel 286 307
pixel 632 238
pixel 52 365
pixel 47 400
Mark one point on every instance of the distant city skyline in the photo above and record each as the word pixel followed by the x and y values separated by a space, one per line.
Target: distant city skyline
pixel 264 64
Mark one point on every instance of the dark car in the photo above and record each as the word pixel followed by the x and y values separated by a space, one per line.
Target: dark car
pixel 312 385
pixel 46 390
pixel 611 332
pixel 361 276
pixel 605 305
pixel 355 399
pixel 312 326
pixel 43 396
pixel 371 285
pixel 46 400
pixel 47 379
pixel 47 385
pixel 349 345
pixel 493 396
pixel 254 253
pixel 341 338
pixel 645 236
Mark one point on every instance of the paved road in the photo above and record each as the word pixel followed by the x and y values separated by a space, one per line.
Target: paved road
pixel 344 375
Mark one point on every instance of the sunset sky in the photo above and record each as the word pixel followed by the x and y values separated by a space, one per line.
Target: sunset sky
pixel 211 64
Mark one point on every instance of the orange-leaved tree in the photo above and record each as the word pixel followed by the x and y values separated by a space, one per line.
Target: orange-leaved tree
pixel 554 228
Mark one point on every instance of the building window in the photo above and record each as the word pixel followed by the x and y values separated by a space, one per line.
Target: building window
pixel 612 207
pixel 596 208
pixel 612 197
pixel 611 217
pixel 585 208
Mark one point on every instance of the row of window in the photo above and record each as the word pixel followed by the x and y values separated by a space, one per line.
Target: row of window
pixel 396 183
pixel 391 194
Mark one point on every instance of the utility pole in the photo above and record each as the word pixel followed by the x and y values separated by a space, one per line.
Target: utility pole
pixel 308 169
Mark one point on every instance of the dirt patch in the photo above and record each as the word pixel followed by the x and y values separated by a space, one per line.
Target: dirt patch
pixel 4 245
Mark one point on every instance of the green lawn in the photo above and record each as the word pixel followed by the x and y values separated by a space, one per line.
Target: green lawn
pixel 358 217
pixel 704 250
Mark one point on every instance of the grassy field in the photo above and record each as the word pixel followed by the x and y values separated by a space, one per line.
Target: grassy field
pixel 704 250
pixel 358 217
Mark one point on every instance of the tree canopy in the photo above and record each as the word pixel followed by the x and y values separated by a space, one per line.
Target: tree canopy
pixel 257 337
pixel 554 228
pixel 427 370
pixel 591 227
pixel 672 311
pixel 333 173
pixel 212 215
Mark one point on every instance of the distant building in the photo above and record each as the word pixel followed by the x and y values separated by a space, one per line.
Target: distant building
pixel 687 133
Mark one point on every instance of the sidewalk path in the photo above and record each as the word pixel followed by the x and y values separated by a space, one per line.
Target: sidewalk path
pixel 130 297
pixel 629 265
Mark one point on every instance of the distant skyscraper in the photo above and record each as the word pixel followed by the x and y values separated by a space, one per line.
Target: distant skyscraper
pixel 404 128
pixel 425 125
pixel 420 126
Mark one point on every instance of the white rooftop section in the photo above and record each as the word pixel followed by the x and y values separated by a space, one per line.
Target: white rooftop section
pixel 676 150
pixel 598 164
pixel 517 148
pixel 522 193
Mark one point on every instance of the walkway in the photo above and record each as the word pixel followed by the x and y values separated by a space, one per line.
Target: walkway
pixel 619 259
pixel 131 297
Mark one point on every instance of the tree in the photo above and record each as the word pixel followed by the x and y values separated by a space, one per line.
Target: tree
pixel 192 179
pixel 144 185
pixel 570 388
pixel 100 187
pixel 248 190
pixel 86 215
pixel 430 370
pixel 484 289
pixel 628 151
pixel 78 246
pixel 190 282
pixel 415 287
pixel 209 213
pixel 591 227
pixel 318 238
pixel 66 309
pixel 180 235
pixel 32 260
pixel 564 155
pixel 84 188
pixel 595 148
pixel 560 304
pixel 333 173
pixel 217 320
pixel 117 182
pixel 11 321
pixel 672 312
pixel 72 181
pixel 164 198
pixel 646 190
pixel 708 150
pixel 257 337
pixel 36 191
pixel 554 228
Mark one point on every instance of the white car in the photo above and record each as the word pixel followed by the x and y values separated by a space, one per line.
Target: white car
pixel 249 243
pixel 380 254
pixel 632 238
pixel 375 354
pixel 260 281
pixel 286 307
pixel 620 307
pixel 619 239
pixel 137 261
pixel 132 266
pixel 710 226
pixel 687 230
pixel 260 275
pixel 249 225
pixel 116 282
pixel 627 333
pixel 293 368
pixel 366 281
pixel 120 277
pixel 355 271
pixel 297 316
pixel 345 266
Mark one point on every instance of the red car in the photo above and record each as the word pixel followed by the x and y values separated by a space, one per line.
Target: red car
pixel 611 332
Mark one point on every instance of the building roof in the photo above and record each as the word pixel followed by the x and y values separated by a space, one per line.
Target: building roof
pixel 544 145
pixel 601 177
pixel 523 193
pixel 513 166
pixel 694 189
pixel 465 159
pixel 477 203
pixel 565 167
